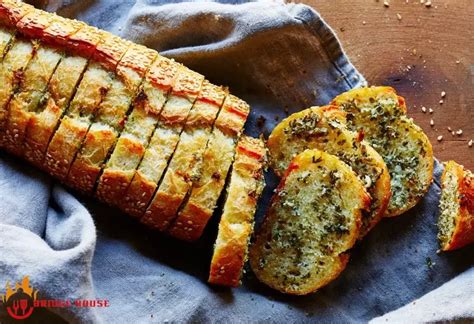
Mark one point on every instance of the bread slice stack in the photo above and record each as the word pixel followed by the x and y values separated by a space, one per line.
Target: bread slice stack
pixel 324 128
pixel 380 114
pixel 456 217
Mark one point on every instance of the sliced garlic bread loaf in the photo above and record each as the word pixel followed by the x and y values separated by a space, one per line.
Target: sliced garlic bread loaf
pixel 380 114
pixel 218 157
pixel 313 221
pixel 456 218
pixel 324 128
pixel 110 118
pixel 236 225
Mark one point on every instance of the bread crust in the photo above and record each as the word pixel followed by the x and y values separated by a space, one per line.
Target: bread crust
pixel 324 128
pixel 217 159
pixel 184 165
pixel 463 233
pixel 11 11
pixel 236 224
pixel 381 114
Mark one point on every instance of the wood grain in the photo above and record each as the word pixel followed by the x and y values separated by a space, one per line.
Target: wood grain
pixel 426 52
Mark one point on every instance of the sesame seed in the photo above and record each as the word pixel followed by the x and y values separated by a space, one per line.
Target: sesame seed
pixel 386 3
pixel 363 22
pixel 458 61
pixel 423 109
pixel 432 122
pixel 443 94
pixel 469 143
pixel 459 132
pixel 431 111
pixel 399 17
pixel 440 138
pixel 453 133
pixel 441 102
pixel 449 129
pixel 428 4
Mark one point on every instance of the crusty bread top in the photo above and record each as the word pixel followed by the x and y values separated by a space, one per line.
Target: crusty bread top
pixel 313 220
pixel 456 218
pixel 380 114
pixel 11 11
pixel 324 128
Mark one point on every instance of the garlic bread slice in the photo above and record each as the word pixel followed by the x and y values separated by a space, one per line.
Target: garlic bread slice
pixel 313 220
pixel 237 221
pixel 323 128
pixel 381 115
pixel 456 218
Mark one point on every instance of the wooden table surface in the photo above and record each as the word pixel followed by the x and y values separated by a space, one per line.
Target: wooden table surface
pixel 421 51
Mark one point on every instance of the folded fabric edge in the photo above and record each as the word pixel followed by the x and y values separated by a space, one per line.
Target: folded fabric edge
pixel 331 44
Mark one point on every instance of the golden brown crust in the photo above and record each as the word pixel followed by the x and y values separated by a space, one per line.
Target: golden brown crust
pixel 60 30
pixel 463 233
pixel 34 23
pixel 218 157
pixel 236 224
pixel 11 11
pixel 233 116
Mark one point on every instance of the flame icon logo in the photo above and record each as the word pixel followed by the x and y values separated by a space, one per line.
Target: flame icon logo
pixel 20 300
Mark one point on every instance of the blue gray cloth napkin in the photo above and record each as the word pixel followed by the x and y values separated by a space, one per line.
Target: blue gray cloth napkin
pixel 281 58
